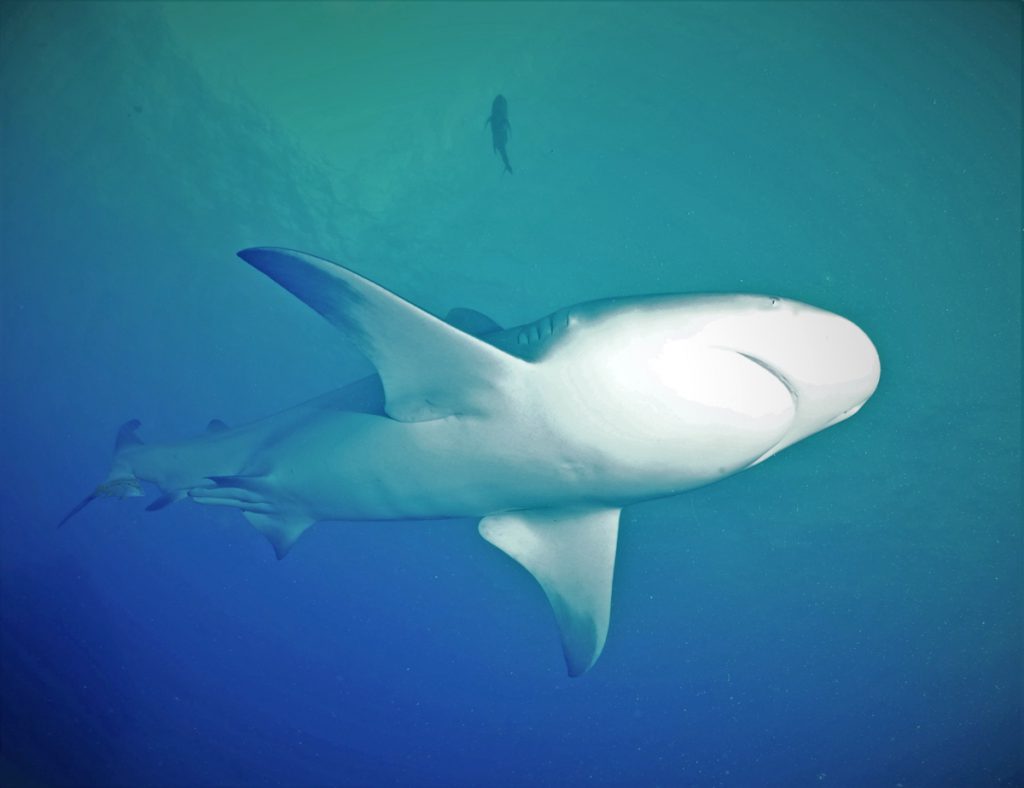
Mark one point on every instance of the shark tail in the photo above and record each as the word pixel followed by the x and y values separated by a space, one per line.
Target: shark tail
pixel 121 482
pixel 504 158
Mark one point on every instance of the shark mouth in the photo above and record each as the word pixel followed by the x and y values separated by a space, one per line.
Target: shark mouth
pixel 845 414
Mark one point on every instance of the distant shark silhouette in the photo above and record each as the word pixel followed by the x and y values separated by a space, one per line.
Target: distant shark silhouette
pixel 500 127
pixel 544 431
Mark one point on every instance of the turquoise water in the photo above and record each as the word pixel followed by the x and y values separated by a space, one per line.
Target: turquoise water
pixel 848 613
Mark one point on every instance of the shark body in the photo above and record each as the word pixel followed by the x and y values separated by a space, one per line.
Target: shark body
pixel 544 431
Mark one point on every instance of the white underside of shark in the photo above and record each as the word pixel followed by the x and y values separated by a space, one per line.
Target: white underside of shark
pixel 544 431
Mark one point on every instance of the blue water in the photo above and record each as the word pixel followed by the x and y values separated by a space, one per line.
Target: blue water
pixel 847 614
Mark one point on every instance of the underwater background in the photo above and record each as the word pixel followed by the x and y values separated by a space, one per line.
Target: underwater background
pixel 847 614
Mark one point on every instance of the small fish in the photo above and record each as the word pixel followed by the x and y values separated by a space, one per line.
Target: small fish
pixel 500 127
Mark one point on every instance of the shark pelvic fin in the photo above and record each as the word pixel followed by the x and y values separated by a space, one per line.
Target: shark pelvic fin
pixel 571 553
pixel 282 532
pixel 429 369
pixel 253 496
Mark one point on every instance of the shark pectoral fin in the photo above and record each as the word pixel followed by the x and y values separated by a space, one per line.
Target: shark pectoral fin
pixel 472 322
pixel 282 531
pixel 571 553
pixel 428 368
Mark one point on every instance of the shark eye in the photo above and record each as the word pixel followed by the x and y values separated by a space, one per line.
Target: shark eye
pixel 775 301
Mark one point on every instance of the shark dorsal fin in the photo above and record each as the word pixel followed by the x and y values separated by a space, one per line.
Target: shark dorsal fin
pixel 429 368
pixel 126 435
pixel 571 553
pixel 215 426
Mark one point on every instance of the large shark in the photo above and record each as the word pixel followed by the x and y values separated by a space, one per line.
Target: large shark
pixel 544 431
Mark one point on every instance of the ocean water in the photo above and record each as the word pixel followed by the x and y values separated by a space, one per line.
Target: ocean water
pixel 848 613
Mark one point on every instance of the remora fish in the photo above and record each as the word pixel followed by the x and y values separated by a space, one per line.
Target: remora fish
pixel 500 127
pixel 544 431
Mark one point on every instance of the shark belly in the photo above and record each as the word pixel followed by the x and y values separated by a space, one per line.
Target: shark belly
pixel 375 468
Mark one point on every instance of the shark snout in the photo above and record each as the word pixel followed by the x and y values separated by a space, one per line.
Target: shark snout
pixel 820 356
pixel 862 369
pixel 829 365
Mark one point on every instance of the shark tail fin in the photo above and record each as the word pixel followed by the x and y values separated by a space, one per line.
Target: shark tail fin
pixel 121 481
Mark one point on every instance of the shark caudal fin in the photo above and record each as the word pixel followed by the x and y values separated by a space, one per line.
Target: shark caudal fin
pixel 120 482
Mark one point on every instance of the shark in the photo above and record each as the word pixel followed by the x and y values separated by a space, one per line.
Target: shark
pixel 542 432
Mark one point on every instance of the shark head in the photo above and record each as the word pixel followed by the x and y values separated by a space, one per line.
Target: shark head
pixel 828 364
pixel 704 386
